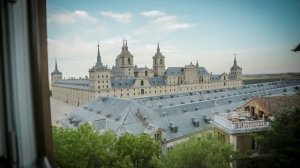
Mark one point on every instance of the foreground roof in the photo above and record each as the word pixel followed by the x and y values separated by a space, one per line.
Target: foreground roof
pixel 276 104
pixel 150 113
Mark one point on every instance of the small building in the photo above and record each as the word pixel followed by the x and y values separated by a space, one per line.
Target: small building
pixel 238 127
pixel 264 107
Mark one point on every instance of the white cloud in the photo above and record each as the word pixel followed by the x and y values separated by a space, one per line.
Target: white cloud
pixel 119 17
pixel 153 13
pixel 70 17
pixel 180 26
pixel 165 24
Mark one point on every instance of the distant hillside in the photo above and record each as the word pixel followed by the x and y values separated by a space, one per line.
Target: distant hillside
pixel 259 78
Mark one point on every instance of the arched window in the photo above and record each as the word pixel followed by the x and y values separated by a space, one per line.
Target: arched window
pixel 154 61
pixel 161 61
pixel 142 83
pixel 146 73
pixel 142 91
pixel 129 61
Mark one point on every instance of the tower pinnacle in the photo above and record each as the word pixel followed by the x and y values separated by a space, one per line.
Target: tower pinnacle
pixel 55 65
pixel 98 55
pixel 235 58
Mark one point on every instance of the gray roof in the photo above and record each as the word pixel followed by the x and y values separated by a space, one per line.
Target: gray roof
pixel 73 83
pixel 157 81
pixel 178 71
pixel 116 72
pixel 149 113
pixel 122 83
pixel 174 71
pixel 202 71
pixel 136 69
pixel 215 77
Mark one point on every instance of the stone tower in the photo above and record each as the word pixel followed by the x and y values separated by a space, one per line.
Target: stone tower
pixel 235 70
pixel 158 63
pixel 124 61
pixel 99 75
pixel 56 74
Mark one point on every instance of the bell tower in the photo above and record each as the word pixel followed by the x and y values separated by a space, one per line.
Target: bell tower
pixel 124 61
pixel 235 70
pixel 56 74
pixel 158 63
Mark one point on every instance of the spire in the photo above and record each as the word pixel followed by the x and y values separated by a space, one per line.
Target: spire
pixel 158 53
pixel 55 65
pixel 56 71
pixel 197 64
pixel 99 64
pixel 234 59
pixel 98 55
pixel 123 47
pixel 235 66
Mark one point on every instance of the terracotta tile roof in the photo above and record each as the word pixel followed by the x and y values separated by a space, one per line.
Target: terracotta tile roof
pixel 277 103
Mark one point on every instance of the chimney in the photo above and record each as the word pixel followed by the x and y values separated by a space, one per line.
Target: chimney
pixel 173 127
pixel 195 122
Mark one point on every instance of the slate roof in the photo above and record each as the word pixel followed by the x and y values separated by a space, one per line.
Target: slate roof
pixel 202 71
pixel 156 112
pixel 178 71
pixel 122 83
pixel 174 71
pixel 156 81
pixel 136 69
pixel 73 83
pixel 215 77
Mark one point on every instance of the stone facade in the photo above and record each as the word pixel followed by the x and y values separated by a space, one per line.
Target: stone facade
pixel 125 80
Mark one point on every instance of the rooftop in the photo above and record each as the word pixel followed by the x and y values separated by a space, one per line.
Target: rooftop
pixel 187 112
pixel 275 104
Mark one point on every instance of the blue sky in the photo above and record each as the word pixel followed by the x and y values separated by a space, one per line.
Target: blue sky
pixel 261 33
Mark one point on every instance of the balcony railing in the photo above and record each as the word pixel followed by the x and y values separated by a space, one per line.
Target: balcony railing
pixel 240 126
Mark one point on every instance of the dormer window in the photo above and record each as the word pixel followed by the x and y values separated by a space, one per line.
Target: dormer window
pixel 157 136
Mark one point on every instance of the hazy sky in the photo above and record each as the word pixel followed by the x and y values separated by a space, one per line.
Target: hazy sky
pixel 261 33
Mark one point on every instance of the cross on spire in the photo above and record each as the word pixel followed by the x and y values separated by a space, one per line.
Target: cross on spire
pixel 98 55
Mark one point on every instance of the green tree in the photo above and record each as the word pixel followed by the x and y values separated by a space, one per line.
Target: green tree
pixel 141 149
pixel 282 142
pixel 204 152
pixel 85 147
